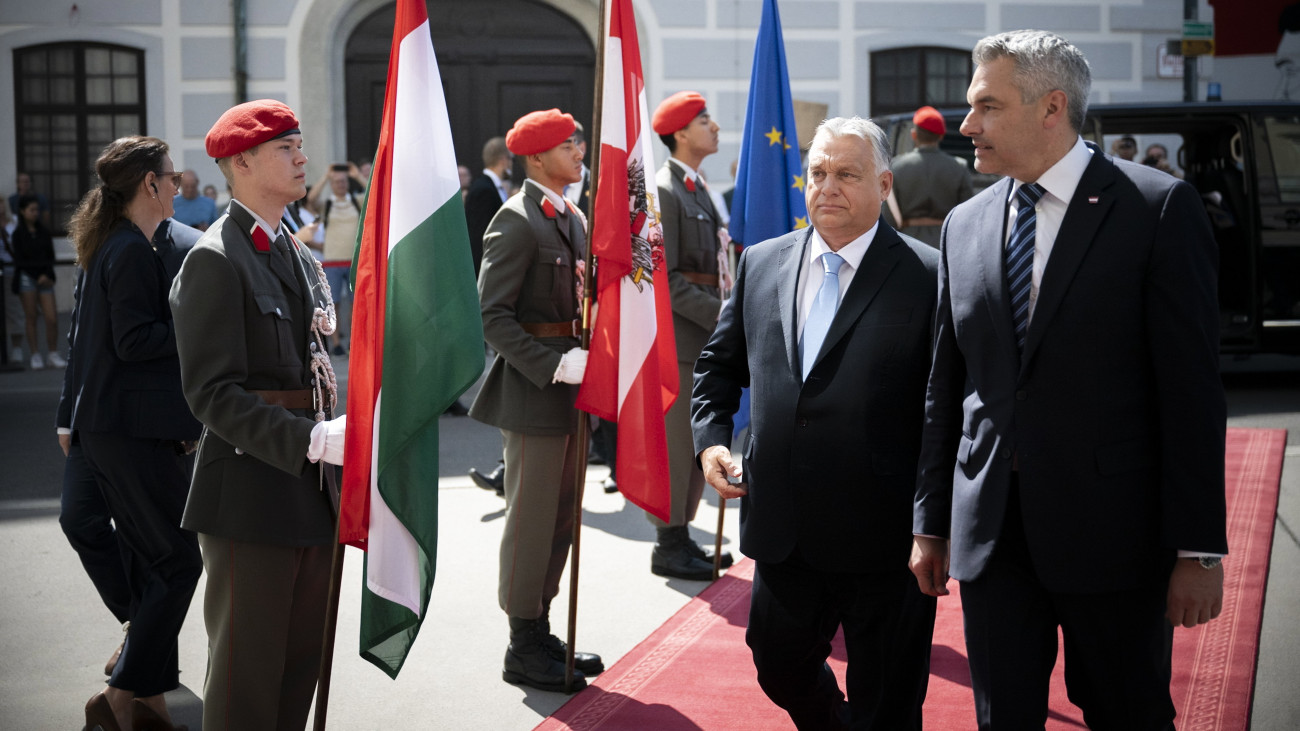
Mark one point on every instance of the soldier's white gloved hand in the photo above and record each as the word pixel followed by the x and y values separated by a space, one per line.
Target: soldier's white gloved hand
pixel 327 441
pixel 573 365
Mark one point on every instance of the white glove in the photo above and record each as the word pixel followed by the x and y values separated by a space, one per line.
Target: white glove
pixel 573 365
pixel 327 441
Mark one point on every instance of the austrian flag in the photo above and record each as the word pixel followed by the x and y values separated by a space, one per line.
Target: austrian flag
pixel 631 373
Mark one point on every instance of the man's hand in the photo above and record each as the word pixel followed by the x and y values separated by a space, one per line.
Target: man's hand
pixel 65 443
pixel 930 564
pixel 1195 593
pixel 718 466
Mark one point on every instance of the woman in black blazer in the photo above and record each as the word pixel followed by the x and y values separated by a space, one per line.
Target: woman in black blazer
pixel 132 421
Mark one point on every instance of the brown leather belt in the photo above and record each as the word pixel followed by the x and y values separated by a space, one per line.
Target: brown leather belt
pixel 921 222
pixel 300 399
pixel 569 329
pixel 708 280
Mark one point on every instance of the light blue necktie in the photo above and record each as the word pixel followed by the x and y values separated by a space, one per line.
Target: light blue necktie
pixel 1020 257
pixel 822 312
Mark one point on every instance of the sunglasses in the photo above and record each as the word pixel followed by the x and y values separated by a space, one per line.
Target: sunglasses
pixel 176 177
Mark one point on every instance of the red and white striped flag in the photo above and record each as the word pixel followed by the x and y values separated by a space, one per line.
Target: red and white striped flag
pixel 417 344
pixel 631 373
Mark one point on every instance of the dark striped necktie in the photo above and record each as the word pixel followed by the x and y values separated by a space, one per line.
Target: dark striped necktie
pixel 1020 257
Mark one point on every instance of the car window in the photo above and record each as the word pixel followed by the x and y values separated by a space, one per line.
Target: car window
pixel 1283 140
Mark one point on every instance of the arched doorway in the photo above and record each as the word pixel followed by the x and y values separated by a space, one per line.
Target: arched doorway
pixel 500 59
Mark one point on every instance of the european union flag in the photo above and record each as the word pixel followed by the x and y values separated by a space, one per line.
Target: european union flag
pixel 768 200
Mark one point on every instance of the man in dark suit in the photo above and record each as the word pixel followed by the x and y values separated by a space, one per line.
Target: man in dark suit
pixel 1072 463
pixel 691 253
pixel 487 191
pixel 255 372
pixel 529 296
pixel 830 329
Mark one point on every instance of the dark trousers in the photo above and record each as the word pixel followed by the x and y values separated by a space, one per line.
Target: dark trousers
pixel 264 607
pixel 84 517
pixel 145 482
pixel 1117 644
pixel 888 624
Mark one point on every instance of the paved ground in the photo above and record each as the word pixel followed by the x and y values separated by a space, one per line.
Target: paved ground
pixel 55 636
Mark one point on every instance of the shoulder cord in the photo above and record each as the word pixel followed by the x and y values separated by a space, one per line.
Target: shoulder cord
pixel 324 322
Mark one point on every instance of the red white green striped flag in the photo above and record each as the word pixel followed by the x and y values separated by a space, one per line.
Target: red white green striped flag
pixel 631 373
pixel 417 344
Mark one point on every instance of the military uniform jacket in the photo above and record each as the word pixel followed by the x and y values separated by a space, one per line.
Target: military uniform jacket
pixel 928 183
pixel 690 245
pixel 243 321
pixel 528 276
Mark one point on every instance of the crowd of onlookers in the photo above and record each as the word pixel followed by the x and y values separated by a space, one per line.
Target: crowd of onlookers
pixel 327 219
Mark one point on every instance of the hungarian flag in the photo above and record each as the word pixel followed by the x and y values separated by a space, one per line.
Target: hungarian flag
pixel 631 373
pixel 417 344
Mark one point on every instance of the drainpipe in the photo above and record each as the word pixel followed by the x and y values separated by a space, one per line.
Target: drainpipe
pixel 240 8
pixel 1189 62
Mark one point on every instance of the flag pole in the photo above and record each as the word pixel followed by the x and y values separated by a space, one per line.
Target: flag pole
pixel 331 626
pixel 717 544
pixel 588 294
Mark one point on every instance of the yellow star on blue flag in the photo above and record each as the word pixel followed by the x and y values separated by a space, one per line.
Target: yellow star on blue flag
pixel 764 206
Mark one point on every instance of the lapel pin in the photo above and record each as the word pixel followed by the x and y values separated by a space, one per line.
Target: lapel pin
pixel 1094 198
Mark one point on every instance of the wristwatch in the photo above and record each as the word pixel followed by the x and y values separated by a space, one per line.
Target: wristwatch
pixel 1207 562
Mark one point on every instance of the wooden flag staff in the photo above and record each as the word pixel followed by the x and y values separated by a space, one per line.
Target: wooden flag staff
pixel 588 294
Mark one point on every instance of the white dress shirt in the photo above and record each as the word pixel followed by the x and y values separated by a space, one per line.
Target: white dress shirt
pixel 812 271
pixel 500 184
pixel 1059 182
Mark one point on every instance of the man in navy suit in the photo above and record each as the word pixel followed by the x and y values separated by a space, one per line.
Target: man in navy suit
pixel 829 326
pixel 1072 462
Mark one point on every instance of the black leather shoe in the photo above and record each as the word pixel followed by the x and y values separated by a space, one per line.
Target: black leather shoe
pixel 494 480
pixel 673 559
pixel 610 485
pixel 704 553
pixel 456 409
pixel 528 661
pixel 588 662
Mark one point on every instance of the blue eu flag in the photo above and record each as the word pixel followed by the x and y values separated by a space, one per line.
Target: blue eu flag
pixel 768 199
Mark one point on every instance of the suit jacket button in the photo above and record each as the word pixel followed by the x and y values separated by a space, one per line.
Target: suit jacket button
pixel 1005 453
pixel 1022 395
pixel 802 421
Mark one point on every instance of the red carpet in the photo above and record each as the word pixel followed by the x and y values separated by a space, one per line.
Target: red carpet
pixel 695 671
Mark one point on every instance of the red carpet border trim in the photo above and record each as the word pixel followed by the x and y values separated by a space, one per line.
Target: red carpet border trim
pixel 731 588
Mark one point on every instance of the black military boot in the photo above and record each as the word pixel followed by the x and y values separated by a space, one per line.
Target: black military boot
pixel 529 662
pixel 672 558
pixel 588 662
pixel 704 553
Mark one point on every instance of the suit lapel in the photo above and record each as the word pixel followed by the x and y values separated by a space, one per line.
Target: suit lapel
pixel 787 293
pixel 277 259
pixel 1083 217
pixel 563 224
pixel 879 261
pixel 991 260
pixel 283 266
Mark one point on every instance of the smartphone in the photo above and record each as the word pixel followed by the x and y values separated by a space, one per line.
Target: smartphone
pixel 339 167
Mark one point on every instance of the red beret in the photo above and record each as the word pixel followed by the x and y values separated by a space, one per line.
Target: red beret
pixel 929 119
pixel 537 132
pixel 248 125
pixel 676 112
